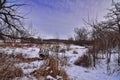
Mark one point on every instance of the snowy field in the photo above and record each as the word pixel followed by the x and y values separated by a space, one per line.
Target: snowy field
pixel 73 71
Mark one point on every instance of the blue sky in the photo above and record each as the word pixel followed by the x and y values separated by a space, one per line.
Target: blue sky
pixel 60 17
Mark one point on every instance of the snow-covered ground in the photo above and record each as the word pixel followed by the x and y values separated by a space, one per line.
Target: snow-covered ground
pixel 29 67
pixel 74 72
pixel 26 52
pixel 81 73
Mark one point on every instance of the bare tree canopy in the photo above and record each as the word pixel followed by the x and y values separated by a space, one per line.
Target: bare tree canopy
pixel 106 34
pixel 81 34
pixel 10 20
pixel 113 16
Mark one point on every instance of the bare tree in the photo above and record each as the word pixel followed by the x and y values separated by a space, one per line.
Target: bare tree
pixel 10 20
pixel 81 34
pixel 70 39
pixel 114 23
pixel 106 34
pixel 113 17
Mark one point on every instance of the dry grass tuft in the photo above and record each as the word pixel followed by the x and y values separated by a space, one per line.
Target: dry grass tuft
pixel 20 56
pixel 8 72
pixel 63 50
pixel 7 69
pixel 3 57
pixel 83 61
pixel 52 69
pixel 75 52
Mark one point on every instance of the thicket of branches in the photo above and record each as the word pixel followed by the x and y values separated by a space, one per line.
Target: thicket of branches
pixel 11 25
pixel 81 34
pixel 105 35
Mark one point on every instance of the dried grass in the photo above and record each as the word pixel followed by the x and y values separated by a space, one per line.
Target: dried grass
pixel 62 50
pixel 75 52
pixel 83 61
pixel 7 69
pixel 52 69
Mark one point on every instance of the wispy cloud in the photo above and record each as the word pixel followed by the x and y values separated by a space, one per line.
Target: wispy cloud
pixel 62 16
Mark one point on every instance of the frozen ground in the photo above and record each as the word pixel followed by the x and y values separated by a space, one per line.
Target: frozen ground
pixel 74 72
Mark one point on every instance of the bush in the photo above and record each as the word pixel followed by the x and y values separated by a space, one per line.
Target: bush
pixel 75 52
pixel 7 69
pixel 52 69
pixel 83 61
pixel 10 72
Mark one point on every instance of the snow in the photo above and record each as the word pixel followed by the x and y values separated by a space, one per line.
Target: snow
pixel 29 67
pixel 76 47
pixel 28 77
pixel 26 52
pixel 77 73
pixel 74 72
pixel 73 57
pixel 50 78
pixel 80 73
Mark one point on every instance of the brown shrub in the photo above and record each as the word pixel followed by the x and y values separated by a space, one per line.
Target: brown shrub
pixel 3 57
pixel 52 69
pixel 19 56
pixel 7 69
pixel 62 50
pixel 8 72
pixel 75 52
pixel 29 59
pixel 83 61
